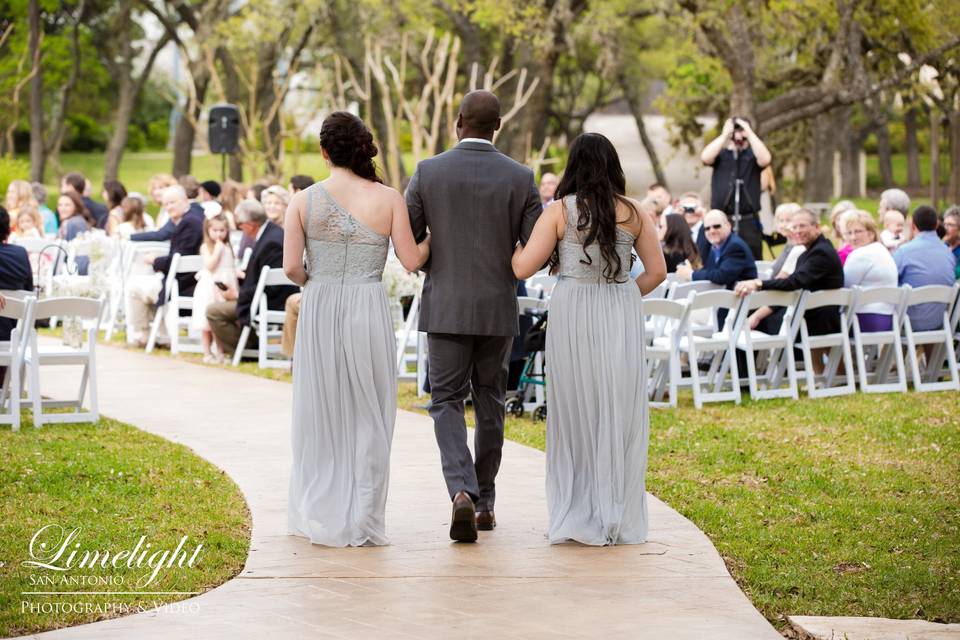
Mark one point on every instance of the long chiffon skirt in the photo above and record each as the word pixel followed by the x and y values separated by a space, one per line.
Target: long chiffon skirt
pixel 597 427
pixel 344 408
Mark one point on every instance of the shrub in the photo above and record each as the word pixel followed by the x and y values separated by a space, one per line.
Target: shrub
pixel 10 170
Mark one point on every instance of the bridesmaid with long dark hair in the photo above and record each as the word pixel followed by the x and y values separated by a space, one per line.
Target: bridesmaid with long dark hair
pixel 596 405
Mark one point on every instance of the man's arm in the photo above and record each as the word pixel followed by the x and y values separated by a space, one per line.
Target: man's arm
pixel 730 269
pixel 712 150
pixel 815 267
pixel 531 212
pixel 160 235
pixel 418 220
pixel 760 151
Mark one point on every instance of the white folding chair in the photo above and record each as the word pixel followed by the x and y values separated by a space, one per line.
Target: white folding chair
pixel 774 347
pixel 269 323
pixel 940 340
pixel 12 353
pixel 680 290
pixel 764 268
pixel 542 284
pixel 662 353
pixel 719 345
pixel 874 350
pixel 245 259
pixel 659 292
pixel 173 303
pixel 131 256
pixel 88 313
pixel 837 343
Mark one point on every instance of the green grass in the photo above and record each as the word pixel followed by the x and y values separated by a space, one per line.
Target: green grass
pixel 837 507
pixel 899 163
pixel 116 483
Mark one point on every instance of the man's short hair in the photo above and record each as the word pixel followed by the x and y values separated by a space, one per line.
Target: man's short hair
pixel 76 181
pixel 925 218
pixel 39 192
pixel 301 182
pixel 952 212
pixel 895 199
pixel 250 211
pixel 814 218
pixel 190 185
pixel 174 191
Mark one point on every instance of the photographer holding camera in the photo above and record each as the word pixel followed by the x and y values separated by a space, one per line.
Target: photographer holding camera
pixel 738 157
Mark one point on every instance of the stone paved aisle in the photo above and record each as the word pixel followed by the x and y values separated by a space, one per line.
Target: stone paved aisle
pixel 512 584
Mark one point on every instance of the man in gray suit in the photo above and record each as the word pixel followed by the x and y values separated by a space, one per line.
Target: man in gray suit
pixel 477 203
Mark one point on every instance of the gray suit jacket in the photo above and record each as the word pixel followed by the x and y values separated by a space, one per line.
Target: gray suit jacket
pixel 477 203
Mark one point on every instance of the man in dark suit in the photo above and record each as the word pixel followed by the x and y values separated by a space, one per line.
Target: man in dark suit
pixel 77 183
pixel 728 260
pixel 818 269
pixel 477 203
pixel 16 274
pixel 228 318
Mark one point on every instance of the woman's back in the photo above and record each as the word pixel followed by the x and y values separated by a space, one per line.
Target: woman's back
pixel 340 246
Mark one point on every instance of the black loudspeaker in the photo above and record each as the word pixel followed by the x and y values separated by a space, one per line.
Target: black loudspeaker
pixel 223 131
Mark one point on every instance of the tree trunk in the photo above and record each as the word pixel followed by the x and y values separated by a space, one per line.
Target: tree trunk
pixel 849 143
pixel 185 135
pixel 884 156
pixel 953 191
pixel 935 158
pixel 818 177
pixel 37 151
pixel 636 110
pixel 118 140
pixel 912 149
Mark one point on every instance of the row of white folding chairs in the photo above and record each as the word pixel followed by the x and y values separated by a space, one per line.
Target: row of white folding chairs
pixel 269 322
pixel 23 356
pixel 673 334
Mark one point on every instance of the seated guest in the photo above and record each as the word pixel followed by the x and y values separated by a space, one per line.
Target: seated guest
pixel 113 194
pixel 208 198
pixel 690 206
pixel 818 268
pixel 291 315
pixel 29 223
pixel 227 318
pixel 19 196
pixel 75 218
pixel 50 222
pixel 165 233
pixel 231 194
pixel 76 183
pixel 256 189
pixel 729 259
pixel 660 193
pixel 548 187
pixel 838 210
pixel 275 200
pixel 15 271
pixel 868 265
pixel 783 215
pixel 951 234
pixel 892 212
pixel 191 186
pixel 299 183
pixel 678 246
pixel 186 240
pixel 133 218
pixel 155 187
pixel 925 260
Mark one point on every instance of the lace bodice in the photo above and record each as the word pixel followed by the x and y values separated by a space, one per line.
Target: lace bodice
pixel 572 251
pixel 340 248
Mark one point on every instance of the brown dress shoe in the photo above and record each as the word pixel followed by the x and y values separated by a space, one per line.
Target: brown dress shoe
pixel 486 521
pixel 463 523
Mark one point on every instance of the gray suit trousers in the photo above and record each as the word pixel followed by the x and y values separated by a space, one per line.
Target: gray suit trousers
pixel 459 363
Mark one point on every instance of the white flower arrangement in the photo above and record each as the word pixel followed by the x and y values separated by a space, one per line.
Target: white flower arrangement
pixel 398 281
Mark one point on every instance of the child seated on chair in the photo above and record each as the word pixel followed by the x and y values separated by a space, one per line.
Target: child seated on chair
pixel 217 281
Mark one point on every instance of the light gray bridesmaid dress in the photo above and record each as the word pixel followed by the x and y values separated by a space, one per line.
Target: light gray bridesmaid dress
pixel 344 382
pixel 596 401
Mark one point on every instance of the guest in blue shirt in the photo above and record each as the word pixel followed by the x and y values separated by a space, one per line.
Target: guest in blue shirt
pixel 729 260
pixel 50 223
pixel 951 236
pixel 923 261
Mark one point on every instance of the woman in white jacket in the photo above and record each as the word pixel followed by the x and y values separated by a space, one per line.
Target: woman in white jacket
pixel 868 265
